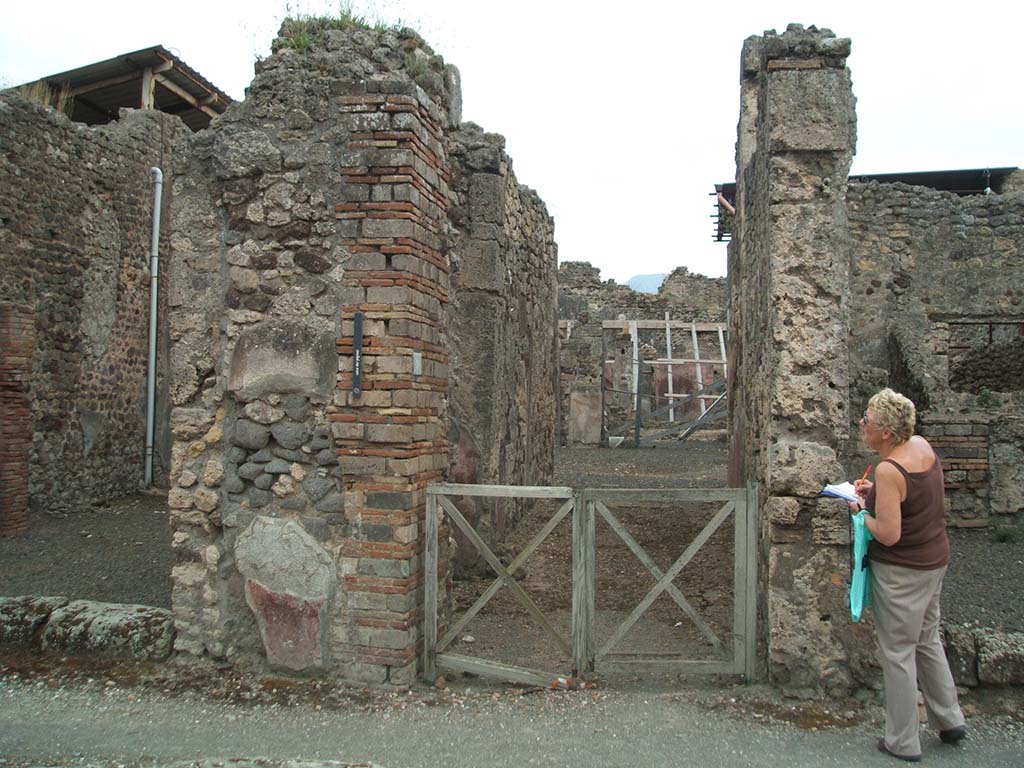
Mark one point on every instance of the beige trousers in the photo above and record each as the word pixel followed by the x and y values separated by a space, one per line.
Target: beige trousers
pixel 905 602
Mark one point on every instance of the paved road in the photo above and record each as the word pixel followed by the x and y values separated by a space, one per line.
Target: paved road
pixel 102 723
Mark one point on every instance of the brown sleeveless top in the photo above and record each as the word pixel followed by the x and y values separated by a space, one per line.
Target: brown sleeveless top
pixel 923 543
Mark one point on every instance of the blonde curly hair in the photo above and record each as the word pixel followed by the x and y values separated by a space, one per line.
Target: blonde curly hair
pixel 895 412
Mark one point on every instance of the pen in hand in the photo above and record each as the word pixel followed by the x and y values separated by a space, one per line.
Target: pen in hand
pixel 859 483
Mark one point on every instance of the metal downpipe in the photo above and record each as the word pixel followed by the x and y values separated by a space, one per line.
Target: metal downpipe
pixel 154 273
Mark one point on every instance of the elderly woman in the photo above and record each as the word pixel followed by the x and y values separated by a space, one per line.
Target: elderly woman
pixel 908 555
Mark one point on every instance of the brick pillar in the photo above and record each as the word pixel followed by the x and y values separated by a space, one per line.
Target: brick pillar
pixel 17 340
pixel 391 438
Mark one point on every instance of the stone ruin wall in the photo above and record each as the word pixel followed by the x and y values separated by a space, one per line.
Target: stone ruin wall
pixel 839 289
pixel 937 284
pixel 502 330
pixel 584 301
pixel 789 400
pixel 338 188
pixel 76 207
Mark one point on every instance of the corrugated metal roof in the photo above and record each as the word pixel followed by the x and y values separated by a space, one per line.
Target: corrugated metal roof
pixel 99 90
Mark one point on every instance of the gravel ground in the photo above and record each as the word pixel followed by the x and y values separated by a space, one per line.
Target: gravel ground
pixel 120 552
pixel 143 716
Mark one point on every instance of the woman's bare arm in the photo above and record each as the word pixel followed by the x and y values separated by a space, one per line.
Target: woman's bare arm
pixel 886 526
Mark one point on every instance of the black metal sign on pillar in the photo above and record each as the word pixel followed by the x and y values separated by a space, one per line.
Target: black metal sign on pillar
pixel 357 356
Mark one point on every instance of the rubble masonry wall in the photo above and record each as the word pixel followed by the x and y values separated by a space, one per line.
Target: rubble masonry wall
pixel 937 285
pixel 76 208
pixel 330 197
pixel 502 334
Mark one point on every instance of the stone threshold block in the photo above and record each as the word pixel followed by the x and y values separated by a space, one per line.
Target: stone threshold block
pixel 137 632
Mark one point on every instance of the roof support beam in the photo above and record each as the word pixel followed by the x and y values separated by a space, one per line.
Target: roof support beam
pixel 148 89
pixel 98 84
pixel 183 94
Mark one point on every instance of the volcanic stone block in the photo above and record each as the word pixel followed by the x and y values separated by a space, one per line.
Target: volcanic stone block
pixel 1007 459
pixel 825 120
pixel 191 423
pixel 282 358
pixel 802 468
pixel 241 151
pixel 317 487
pixel 126 631
pixel 487 198
pixel 481 266
pixel 962 654
pixel 1000 657
pixel 21 617
pixel 806 591
pixel 248 434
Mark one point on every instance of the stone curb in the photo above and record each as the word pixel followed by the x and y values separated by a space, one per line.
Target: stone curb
pixel 981 656
pixel 262 762
pixel 239 762
pixel 978 656
pixel 136 632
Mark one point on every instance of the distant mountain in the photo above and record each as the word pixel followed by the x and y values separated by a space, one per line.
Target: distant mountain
pixel 646 283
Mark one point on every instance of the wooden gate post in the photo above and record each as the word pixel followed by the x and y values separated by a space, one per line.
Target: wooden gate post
pixel 752 527
pixel 582 585
pixel 430 549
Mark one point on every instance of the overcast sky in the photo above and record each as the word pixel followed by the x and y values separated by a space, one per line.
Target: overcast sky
pixel 621 115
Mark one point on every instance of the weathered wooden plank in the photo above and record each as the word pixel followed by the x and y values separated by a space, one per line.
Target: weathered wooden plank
pixel 523 598
pixel 635 382
pixel 739 581
pixel 710 392
pixel 148 89
pixel 686 429
pixel 662 495
pixel 680 665
pixel 430 591
pixel 711 413
pixel 657 573
pixel 181 93
pixel 725 357
pixel 492 590
pixel 668 355
pixel 582 587
pixel 696 362
pixel 634 338
pixel 501 491
pixel 658 325
pixel 484 668
pixel 750 626
pixel 604 423
pixel 667 579
pixel 670 361
pixel 118 80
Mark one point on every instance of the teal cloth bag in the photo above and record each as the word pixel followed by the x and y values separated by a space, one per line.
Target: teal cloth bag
pixel 860 576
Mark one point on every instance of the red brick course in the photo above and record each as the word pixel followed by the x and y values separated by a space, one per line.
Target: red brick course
pixel 390 448
pixel 17 341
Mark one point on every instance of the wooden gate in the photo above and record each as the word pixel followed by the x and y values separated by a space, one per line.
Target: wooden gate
pixel 732 651
pixel 732 654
